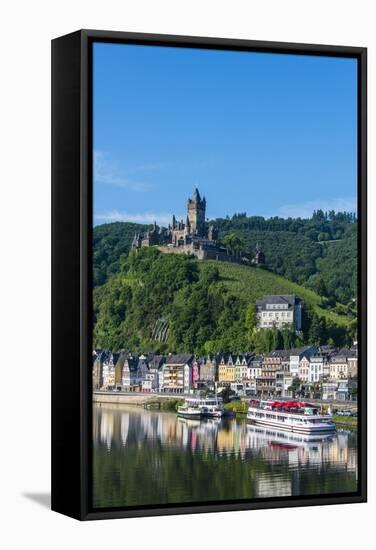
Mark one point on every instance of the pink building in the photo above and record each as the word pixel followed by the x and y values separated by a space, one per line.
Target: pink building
pixel 195 373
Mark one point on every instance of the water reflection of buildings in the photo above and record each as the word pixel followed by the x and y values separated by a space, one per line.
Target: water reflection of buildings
pixel 109 427
pixel 119 426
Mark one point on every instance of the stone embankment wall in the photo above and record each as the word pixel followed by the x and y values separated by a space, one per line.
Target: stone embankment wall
pixel 120 398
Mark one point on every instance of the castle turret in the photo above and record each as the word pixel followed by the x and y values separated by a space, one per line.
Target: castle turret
pixel 212 233
pixel 196 213
pixel 136 243
pixel 259 258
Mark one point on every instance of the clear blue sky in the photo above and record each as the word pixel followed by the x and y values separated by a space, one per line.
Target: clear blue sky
pixel 266 134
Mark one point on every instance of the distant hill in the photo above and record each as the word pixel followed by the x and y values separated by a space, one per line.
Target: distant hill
pixel 168 302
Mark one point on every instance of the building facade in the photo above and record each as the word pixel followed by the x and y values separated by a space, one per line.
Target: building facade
pixel 208 369
pixel 316 368
pixel 279 311
pixel 333 374
pixel 226 369
pixel 176 378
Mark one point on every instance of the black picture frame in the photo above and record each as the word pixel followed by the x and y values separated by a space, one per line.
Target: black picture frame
pixel 72 278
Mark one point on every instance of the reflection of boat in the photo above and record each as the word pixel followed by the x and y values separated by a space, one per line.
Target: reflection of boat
pixel 198 407
pixel 189 422
pixel 292 416
pixel 286 439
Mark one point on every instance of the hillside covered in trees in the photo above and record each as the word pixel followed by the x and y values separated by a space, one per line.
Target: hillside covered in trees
pixel 319 253
pixel 168 302
pixel 110 241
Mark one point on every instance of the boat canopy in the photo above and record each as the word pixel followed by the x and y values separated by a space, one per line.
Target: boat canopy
pixel 282 404
pixel 292 404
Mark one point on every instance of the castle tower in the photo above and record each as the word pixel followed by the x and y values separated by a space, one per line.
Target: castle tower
pixel 196 213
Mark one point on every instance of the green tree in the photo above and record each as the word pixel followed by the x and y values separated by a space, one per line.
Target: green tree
pixel 295 387
pixel 233 242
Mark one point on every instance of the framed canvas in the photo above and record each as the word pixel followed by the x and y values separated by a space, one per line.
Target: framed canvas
pixel 208 274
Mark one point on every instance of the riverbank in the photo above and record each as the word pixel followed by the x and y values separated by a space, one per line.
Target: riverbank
pixel 169 403
pixel 238 407
pixel 134 398
pixel 346 421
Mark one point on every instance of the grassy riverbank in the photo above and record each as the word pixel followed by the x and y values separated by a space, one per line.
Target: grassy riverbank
pixel 238 407
pixel 346 421
pixel 170 405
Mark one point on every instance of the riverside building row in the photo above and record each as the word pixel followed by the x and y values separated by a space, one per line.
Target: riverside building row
pixel 331 371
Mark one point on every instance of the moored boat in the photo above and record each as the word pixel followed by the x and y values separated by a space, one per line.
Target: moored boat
pixel 294 416
pixel 190 409
pixel 213 407
pixel 198 407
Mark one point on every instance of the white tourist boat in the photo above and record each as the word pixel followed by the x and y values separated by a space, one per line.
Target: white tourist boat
pixel 198 407
pixel 294 416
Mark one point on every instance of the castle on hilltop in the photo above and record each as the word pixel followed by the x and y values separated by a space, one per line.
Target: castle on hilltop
pixel 191 237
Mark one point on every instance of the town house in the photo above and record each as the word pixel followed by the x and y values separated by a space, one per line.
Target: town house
pixel 284 356
pixel 241 368
pixel 108 370
pixel 226 369
pixel 304 369
pixel 129 376
pixel 338 365
pixel 295 357
pixel 176 373
pixel 195 373
pixel 208 369
pixel 98 358
pixel 278 311
pixel 151 381
pixel 352 366
pixel 266 382
pixel 316 368
pixel 254 367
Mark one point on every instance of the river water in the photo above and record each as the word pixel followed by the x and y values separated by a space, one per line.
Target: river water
pixel 144 457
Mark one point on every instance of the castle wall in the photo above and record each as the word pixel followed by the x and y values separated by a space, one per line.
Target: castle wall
pixel 201 254
pixel 174 250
